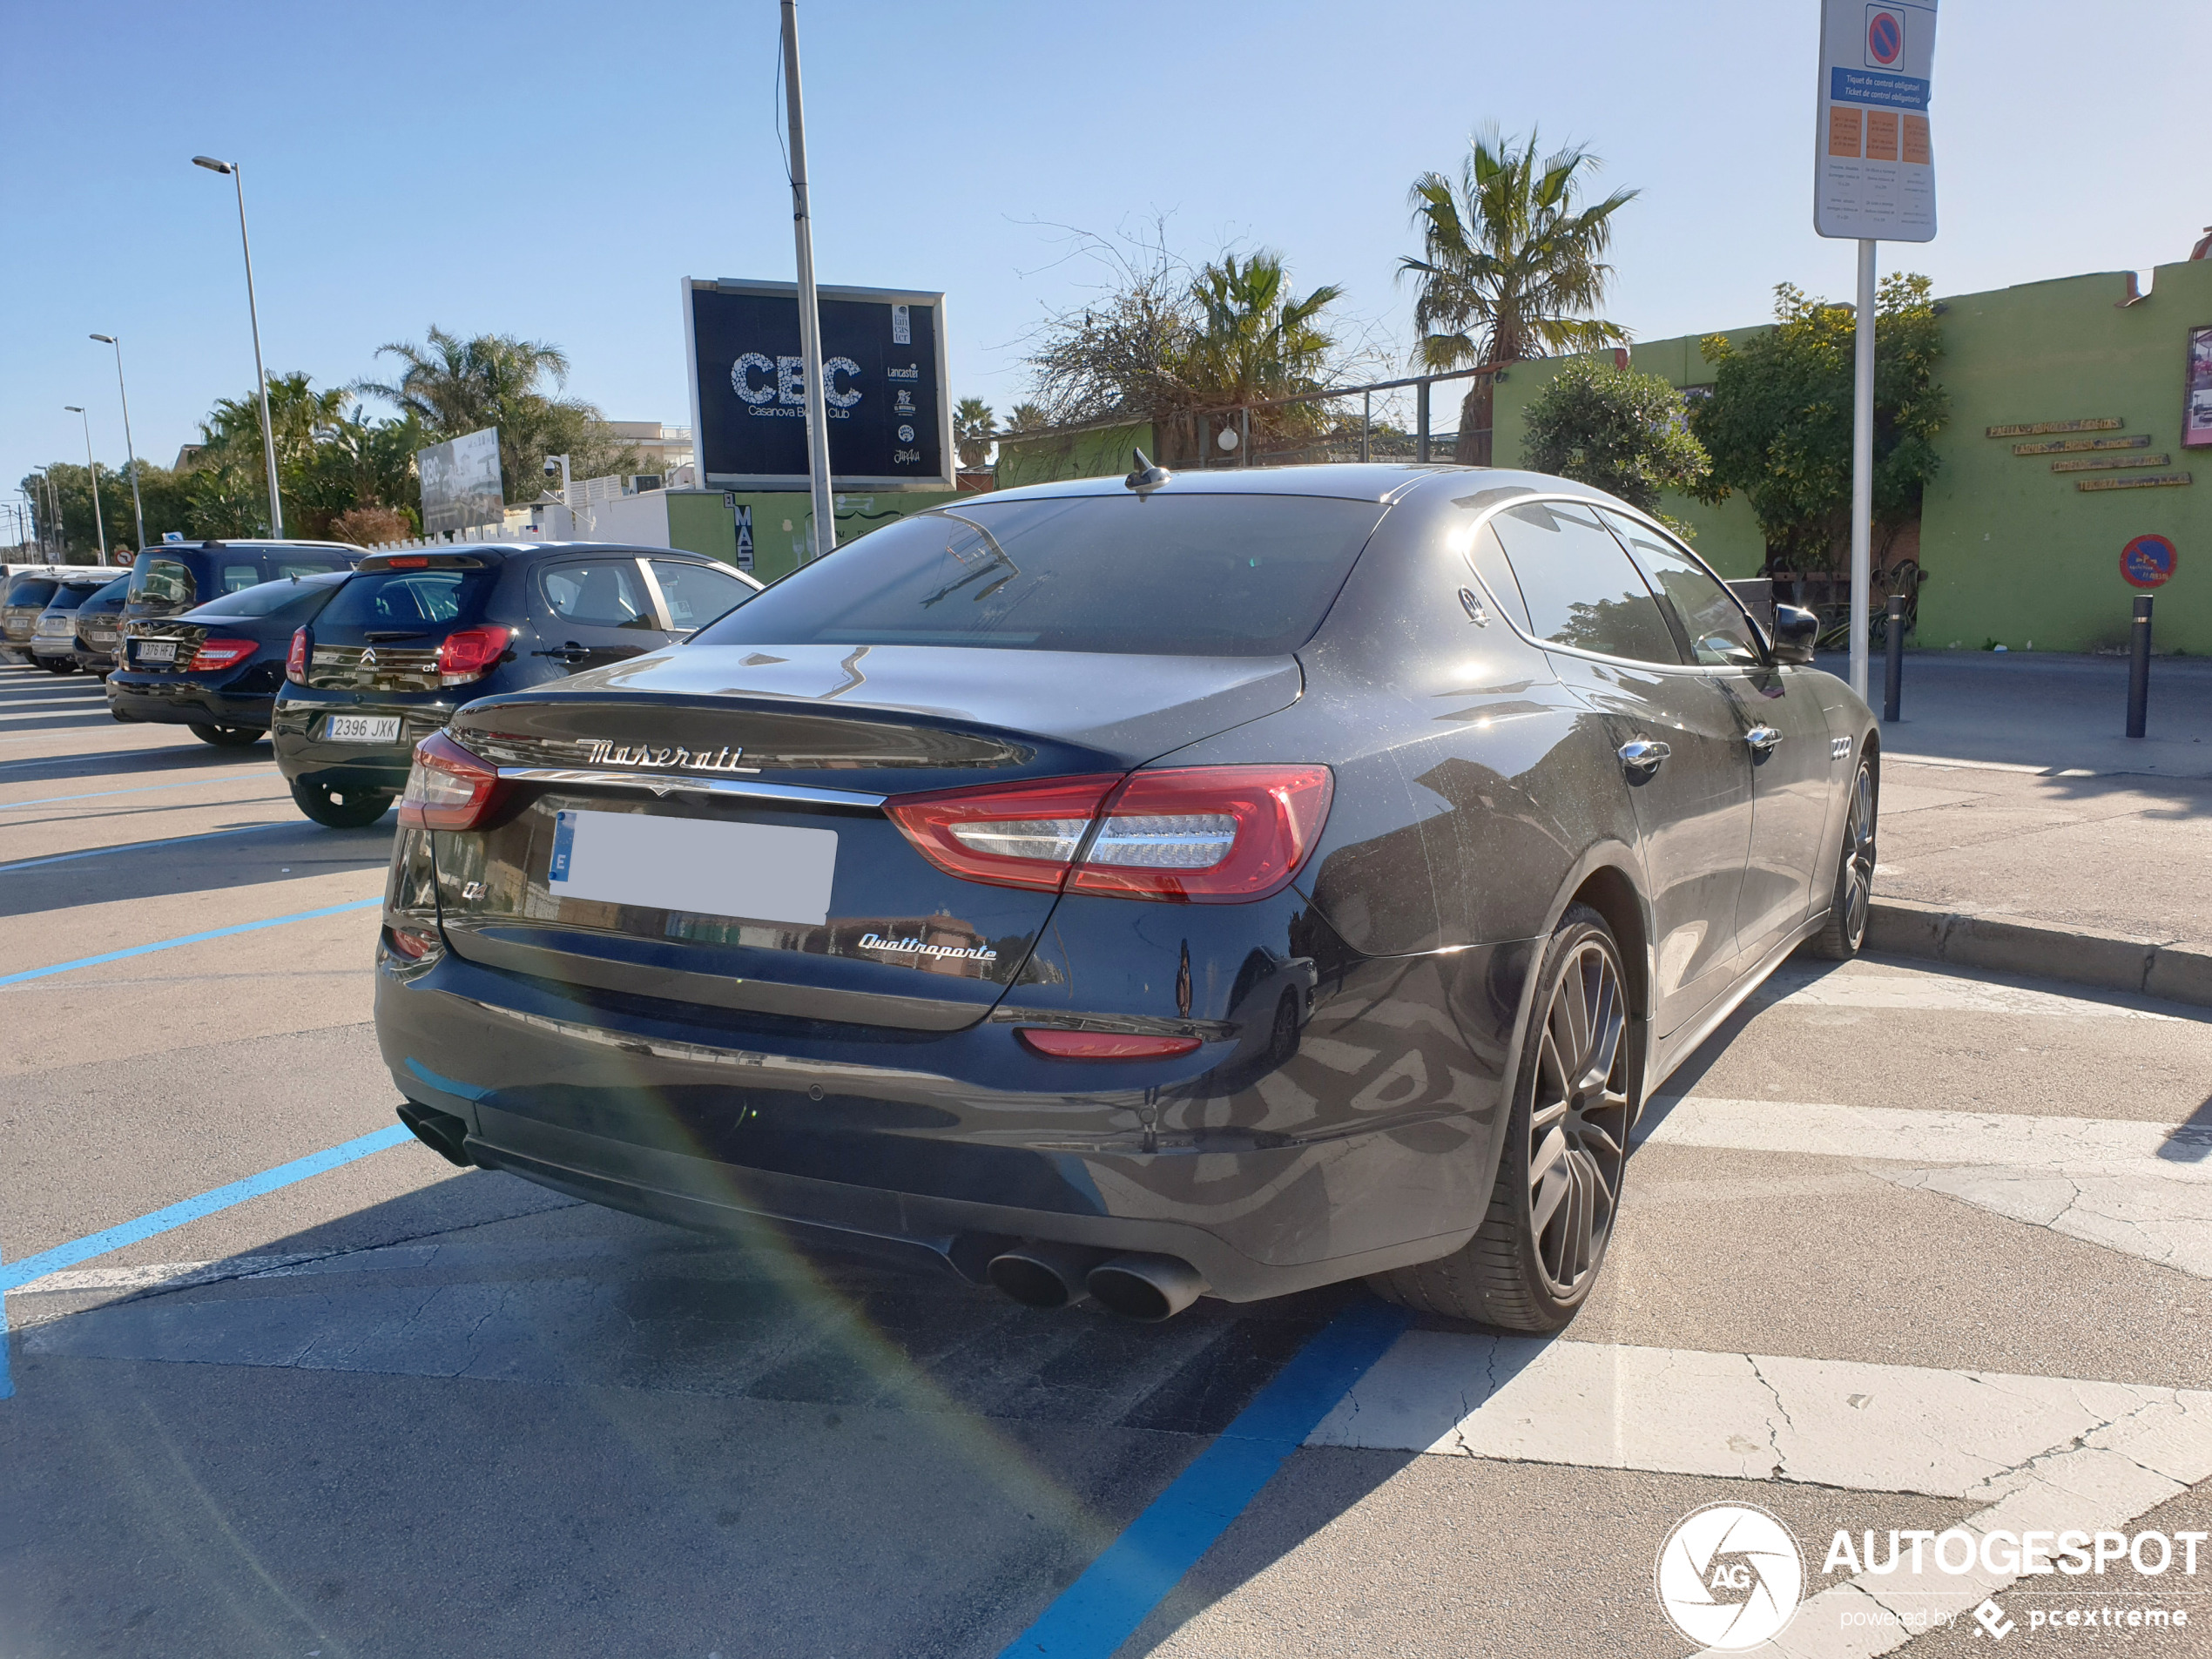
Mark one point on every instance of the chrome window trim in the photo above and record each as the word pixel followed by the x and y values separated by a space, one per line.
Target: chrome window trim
pixel 663 783
pixel 1708 670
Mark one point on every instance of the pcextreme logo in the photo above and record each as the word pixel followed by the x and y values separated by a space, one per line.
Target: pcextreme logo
pixel 1729 1576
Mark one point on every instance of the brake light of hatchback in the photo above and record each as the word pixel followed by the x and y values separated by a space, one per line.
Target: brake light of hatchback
pixel 222 654
pixel 295 660
pixel 447 788
pixel 469 653
pixel 1180 834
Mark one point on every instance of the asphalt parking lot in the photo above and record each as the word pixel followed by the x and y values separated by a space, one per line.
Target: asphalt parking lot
pixel 1902 1250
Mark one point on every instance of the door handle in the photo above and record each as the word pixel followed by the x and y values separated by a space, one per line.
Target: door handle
pixel 1641 757
pixel 1762 739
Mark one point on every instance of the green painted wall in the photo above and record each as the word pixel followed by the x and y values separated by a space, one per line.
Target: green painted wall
pixel 2012 551
pixel 701 521
pixel 1102 452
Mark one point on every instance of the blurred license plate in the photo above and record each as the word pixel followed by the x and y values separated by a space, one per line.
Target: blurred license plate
pixel 361 728
pixel 751 872
pixel 157 651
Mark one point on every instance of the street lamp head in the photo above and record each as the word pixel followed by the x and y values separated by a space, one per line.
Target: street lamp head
pixel 104 339
pixel 74 409
pixel 210 164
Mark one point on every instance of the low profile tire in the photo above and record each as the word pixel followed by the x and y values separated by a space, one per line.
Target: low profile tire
pixel 1842 935
pixel 341 808
pixel 226 736
pixel 1531 1264
pixel 53 667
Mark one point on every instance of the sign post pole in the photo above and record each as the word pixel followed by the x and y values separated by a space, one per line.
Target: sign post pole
pixel 822 536
pixel 1862 467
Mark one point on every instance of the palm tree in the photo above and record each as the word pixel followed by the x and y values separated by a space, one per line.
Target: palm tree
pixel 974 429
pixel 1027 417
pixel 1255 338
pixel 454 385
pixel 1512 267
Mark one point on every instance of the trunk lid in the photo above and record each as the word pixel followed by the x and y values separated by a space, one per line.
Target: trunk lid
pixel 737 747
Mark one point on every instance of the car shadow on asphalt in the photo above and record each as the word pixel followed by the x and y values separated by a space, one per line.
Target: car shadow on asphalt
pixel 576 1391
pixel 257 856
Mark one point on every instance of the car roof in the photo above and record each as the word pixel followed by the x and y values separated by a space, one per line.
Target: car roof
pixel 1375 480
pixel 503 551
pixel 213 542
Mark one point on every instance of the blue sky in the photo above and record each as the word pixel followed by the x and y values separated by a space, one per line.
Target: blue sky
pixel 553 170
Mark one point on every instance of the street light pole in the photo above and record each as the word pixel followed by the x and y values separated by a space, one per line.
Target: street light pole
pixel 92 466
pixel 824 537
pixel 137 507
pixel 260 375
pixel 1862 467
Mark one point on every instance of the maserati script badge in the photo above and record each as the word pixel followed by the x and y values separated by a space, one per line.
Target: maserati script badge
pixel 601 752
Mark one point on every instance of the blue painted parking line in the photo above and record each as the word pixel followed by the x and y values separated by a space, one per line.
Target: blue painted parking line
pixel 141 846
pixel 176 1215
pixel 141 789
pixel 14 1274
pixel 189 938
pixel 1096 1614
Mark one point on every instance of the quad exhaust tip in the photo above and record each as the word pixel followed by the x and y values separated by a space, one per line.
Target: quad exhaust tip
pixel 441 1132
pixel 1136 1286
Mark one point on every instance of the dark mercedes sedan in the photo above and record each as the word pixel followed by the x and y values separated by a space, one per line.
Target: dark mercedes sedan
pixel 1147 888
pixel 413 635
pixel 216 670
pixel 99 626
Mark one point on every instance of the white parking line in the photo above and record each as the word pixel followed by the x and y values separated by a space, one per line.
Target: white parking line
pixel 1939 993
pixel 2144 1189
pixel 1862 1426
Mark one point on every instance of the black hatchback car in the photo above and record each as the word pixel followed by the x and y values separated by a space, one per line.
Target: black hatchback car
pixel 411 636
pixel 172 578
pixel 217 669
pixel 1229 884
pixel 99 626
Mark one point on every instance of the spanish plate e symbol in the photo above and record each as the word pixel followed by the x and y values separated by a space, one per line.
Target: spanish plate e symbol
pixel 1884 37
pixel 2147 561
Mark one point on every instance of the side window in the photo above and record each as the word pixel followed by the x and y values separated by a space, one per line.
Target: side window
pixel 163 582
pixel 1710 618
pixel 281 565
pixel 598 593
pixel 696 594
pixel 236 577
pixel 1579 587
pixel 1490 562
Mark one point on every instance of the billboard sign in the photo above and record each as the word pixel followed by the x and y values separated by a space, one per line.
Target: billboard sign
pixel 889 397
pixel 1873 166
pixel 2196 409
pixel 460 482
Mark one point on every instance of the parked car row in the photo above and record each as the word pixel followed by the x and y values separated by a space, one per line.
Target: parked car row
pixel 351 657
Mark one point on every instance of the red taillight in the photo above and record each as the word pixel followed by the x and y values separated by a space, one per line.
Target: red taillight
pixel 295 660
pixel 1019 836
pixel 447 788
pixel 409 944
pixel 412 563
pixel 1099 1045
pixel 1204 834
pixel 221 653
pixel 1213 834
pixel 466 653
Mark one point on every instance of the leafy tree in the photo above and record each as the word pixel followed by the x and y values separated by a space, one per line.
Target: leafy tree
pixel 1779 422
pixel 453 386
pixel 1512 266
pixel 1616 430
pixel 367 526
pixel 72 483
pixel 974 428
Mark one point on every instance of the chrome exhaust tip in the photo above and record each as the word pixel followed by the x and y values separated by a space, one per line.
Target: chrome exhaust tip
pixel 1145 1288
pixel 1043 1275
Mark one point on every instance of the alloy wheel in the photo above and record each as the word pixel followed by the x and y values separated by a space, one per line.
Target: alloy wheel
pixel 1858 857
pixel 1578 1119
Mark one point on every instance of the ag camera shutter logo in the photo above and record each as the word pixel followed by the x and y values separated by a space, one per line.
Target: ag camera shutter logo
pixel 1729 1576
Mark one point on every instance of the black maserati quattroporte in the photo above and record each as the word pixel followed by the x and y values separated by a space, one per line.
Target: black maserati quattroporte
pixel 1209 884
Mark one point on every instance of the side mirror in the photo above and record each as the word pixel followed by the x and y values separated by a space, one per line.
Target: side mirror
pixel 1795 631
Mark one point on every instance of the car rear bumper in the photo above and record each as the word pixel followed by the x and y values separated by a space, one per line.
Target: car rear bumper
pixel 183 702
pixel 296 724
pixel 17 655
pixel 892 1138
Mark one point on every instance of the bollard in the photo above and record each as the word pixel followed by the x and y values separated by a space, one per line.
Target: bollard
pixel 1894 677
pixel 2139 667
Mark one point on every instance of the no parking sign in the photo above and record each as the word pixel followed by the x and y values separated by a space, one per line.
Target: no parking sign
pixel 2147 561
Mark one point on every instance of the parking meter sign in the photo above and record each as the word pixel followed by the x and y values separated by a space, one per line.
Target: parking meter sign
pixel 2147 561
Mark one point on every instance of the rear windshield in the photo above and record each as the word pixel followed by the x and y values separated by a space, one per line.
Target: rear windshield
pixel 376 601
pixel 159 581
pixel 1195 576
pixel 30 591
pixel 269 599
pixel 111 594
pixel 69 595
